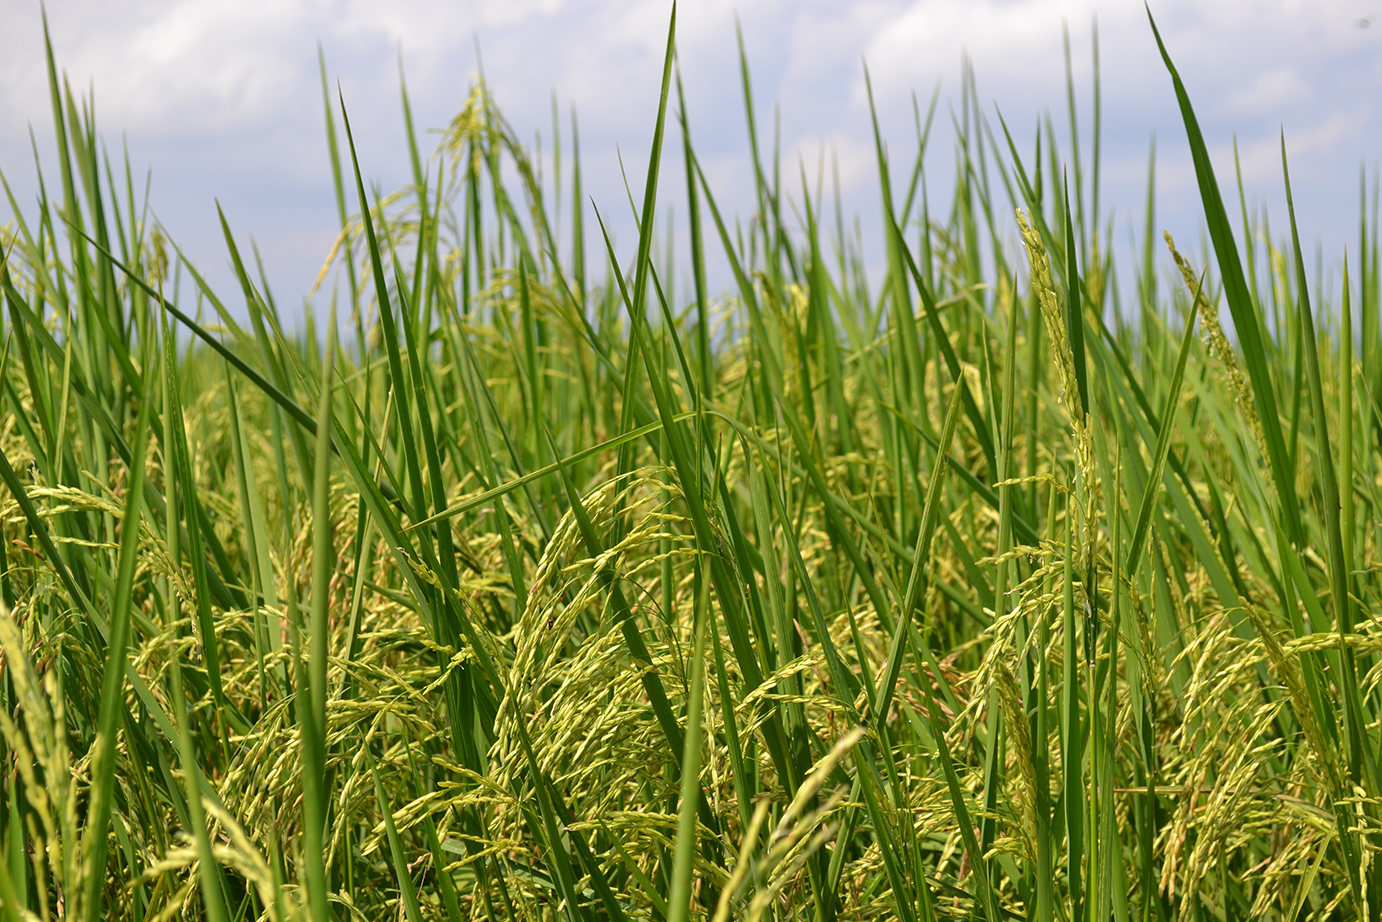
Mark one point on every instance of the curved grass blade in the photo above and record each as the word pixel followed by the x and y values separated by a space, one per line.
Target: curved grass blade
pixel 1246 320
pixel 406 888
pixel 213 894
pixel 313 716
pixel 684 850
pixel 1163 441
pixel 95 836
pixel 1362 759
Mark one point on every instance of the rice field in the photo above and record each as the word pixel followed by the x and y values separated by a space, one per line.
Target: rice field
pixel 522 584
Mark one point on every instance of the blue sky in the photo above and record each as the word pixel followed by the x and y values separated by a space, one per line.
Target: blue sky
pixel 220 99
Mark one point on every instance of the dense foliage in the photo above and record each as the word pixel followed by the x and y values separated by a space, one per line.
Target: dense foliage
pixel 987 592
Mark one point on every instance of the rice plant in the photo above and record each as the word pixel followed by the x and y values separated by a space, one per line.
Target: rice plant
pixel 521 587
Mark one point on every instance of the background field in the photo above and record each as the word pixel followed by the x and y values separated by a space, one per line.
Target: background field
pixel 522 588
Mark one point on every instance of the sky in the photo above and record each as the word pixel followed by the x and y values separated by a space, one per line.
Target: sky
pixel 220 100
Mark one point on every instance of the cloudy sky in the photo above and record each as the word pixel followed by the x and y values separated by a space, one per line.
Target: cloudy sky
pixel 221 99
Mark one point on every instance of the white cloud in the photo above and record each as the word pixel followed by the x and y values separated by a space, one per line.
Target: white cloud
pixel 1271 91
pixel 171 69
